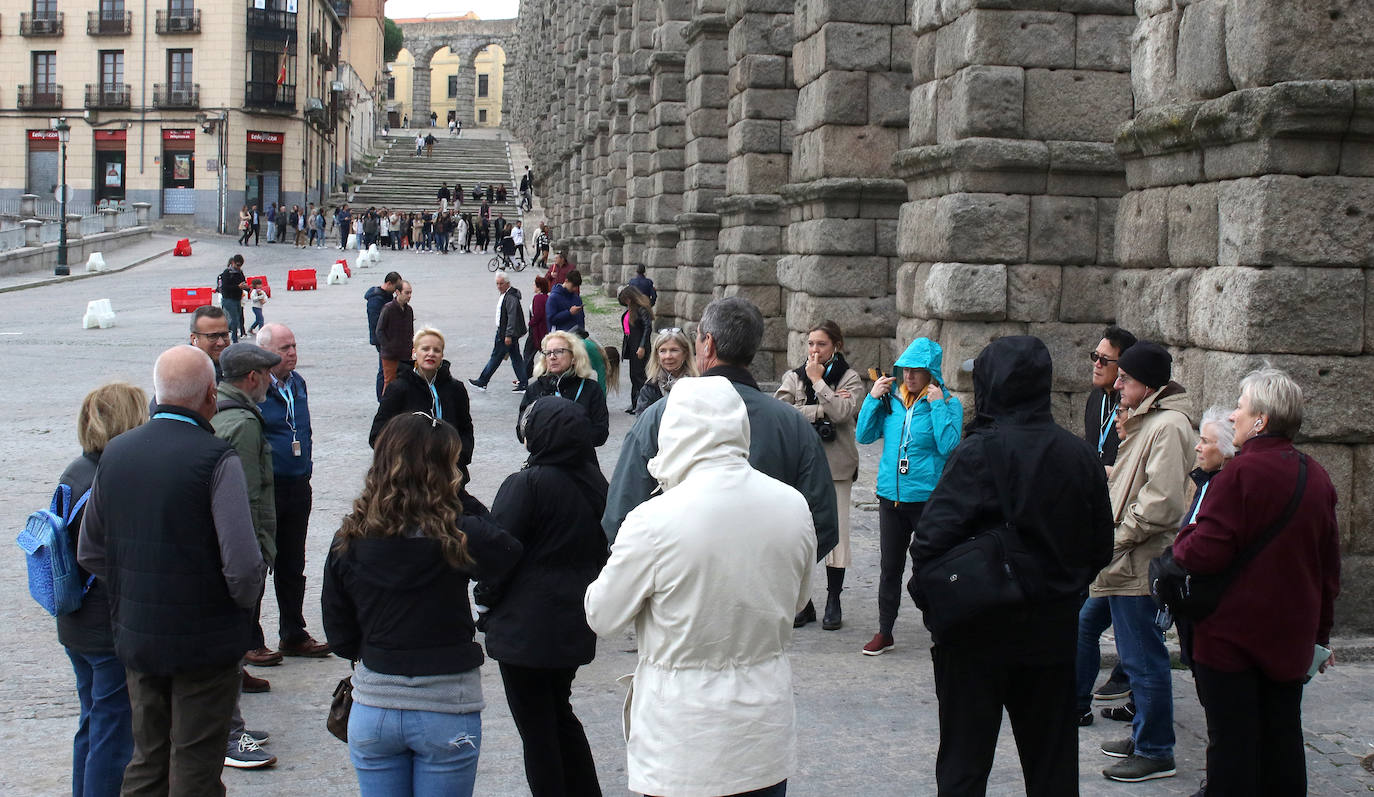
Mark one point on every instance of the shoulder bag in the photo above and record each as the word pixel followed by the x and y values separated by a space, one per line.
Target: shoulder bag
pixel 1193 596
pixel 339 708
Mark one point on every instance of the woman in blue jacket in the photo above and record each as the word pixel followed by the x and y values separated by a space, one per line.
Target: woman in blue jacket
pixel 920 424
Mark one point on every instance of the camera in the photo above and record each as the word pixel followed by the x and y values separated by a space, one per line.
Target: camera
pixel 825 429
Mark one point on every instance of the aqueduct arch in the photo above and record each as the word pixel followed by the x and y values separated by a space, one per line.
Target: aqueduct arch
pixel 464 37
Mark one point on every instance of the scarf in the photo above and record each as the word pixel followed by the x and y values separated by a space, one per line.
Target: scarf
pixel 834 372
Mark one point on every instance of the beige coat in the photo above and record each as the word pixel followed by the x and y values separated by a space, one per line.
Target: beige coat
pixel 1149 489
pixel 843 452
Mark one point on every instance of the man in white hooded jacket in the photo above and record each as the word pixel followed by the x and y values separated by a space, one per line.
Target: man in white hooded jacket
pixel 711 585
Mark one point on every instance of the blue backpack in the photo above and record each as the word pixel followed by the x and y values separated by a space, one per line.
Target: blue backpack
pixel 54 580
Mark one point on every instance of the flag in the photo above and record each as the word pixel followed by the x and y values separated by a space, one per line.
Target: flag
pixel 281 73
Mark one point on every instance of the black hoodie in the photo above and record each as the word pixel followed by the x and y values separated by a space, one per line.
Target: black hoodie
pixel 1058 488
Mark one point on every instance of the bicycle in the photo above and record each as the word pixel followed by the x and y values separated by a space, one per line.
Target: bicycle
pixel 503 261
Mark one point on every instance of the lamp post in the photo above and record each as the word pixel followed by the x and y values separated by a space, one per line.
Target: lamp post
pixel 64 134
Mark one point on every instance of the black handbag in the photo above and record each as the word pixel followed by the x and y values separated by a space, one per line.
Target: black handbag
pixel 339 708
pixel 986 572
pixel 1193 596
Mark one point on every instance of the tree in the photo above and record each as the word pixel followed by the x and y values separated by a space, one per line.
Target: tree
pixel 392 41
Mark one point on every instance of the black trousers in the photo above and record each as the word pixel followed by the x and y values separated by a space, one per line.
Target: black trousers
pixel 637 375
pixel 1029 671
pixel 896 524
pixel 180 724
pixel 558 760
pixel 288 576
pixel 1254 733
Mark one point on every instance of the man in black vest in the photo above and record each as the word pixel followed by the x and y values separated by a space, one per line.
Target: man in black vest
pixel 168 529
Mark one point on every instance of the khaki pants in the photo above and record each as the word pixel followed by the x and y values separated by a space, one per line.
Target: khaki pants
pixel 839 555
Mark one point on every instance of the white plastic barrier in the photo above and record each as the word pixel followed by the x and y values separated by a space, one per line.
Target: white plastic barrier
pixel 99 315
pixel 337 276
pixel 96 262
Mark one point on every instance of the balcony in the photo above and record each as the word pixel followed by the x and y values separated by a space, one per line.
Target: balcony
pixel 45 24
pixel 176 95
pixel 109 23
pixel 341 8
pixel 173 22
pixel 267 94
pixel 271 25
pixel 40 96
pixel 107 95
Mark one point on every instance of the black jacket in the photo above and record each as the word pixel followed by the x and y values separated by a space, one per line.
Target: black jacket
pixel 641 334
pixel 409 392
pixel 1058 489
pixel 86 630
pixel 394 603
pixel 586 392
pixel 511 324
pixel 1097 419
pixel 553 507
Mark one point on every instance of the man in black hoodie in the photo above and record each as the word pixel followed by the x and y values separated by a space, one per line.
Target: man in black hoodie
pixel 1018 657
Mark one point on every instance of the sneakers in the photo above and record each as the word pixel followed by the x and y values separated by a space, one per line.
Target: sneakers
pixel 246 753
pixel 1086 719
pixel 1123 748
pixel 1135 769
pixel 477 385
pixel 260 737
pixel 1124 713
pixel 518 389
pixel 1113 689
pixel 879 644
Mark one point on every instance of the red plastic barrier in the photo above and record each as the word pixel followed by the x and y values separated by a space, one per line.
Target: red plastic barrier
pixel 186 300
pixel 183 248
pixel 266 286
pixel 346 269
pixel 300 279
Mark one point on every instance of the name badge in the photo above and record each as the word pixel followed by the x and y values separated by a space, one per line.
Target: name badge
pixel 295 448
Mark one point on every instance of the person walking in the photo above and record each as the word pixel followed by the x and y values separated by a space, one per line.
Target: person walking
pixel 376 298
pixel 539 321
pixel 395 333
pixel 395 601
pixel 245 225
pixel 566 371
pixel 564 309
pixel 1017 657
pixel 272 223
pixel 535 625
pixel 637 325
pixel 104 741
pixel 919 423
pixel 256 220
pixel 517 238
pixel 169 505
pixel 827 393
pixel 510 327
pixel 670 359
pixel 644 285
pixel 232 284
pixel 711 707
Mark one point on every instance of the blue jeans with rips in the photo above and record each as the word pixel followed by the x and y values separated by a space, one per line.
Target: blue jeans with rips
pixel 104 740
pixel 399 753
pixel 1140 644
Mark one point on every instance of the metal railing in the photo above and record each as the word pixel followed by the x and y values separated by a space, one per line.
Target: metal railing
pixel 267 94
pixel 42 95
pixel 176 95
pixel 43 24
pixel 270 24
pixel 109 23
pixel 107 95
pixel 171 22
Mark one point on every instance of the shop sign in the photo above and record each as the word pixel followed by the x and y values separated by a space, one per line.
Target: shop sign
pixel 260 137
pixel 178 135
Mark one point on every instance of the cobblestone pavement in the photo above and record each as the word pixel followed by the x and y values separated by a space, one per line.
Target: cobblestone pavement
pixel 867 725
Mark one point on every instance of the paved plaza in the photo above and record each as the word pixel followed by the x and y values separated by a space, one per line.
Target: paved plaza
pixel 867 726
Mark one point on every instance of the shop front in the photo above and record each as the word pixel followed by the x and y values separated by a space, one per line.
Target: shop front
pixel 178 172
pixel 262 169
pixel 109 179
pixel 41 176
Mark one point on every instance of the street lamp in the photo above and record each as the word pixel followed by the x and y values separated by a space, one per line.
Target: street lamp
pixel 64 134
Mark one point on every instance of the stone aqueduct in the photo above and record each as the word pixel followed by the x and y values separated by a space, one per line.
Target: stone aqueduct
pixel 465 38
pixel 1199 171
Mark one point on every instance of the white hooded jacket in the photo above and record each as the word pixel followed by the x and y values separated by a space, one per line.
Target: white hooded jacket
pixel 711 573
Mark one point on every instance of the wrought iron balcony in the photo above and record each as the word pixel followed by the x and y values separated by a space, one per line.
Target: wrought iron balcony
pixel 42 95
pixel 341 8
pixel 176 95
pixel 109 23
pixel 107 95
pixel 267 94
pixel 271 24
pixel 173 22
pixel 42 24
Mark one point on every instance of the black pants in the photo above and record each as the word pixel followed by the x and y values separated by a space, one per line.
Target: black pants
pixel 637 376
pixel 558 760
pixel 1254 733
pixel 180 724
pixel 896 523
pixel 1035 682
pixel 288 576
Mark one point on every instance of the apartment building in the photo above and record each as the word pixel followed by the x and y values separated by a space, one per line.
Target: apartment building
pixel 194 107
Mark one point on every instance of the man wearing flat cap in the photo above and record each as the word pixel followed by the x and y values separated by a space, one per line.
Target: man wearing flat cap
pixel 1148 494
pixel 237 421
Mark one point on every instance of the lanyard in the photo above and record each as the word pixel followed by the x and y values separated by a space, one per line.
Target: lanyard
pixel 290 398
pixel 906 428
pixel 1106 425
pixel 1197 507
pixel 578 394
pixel 434 396
pixel 172 416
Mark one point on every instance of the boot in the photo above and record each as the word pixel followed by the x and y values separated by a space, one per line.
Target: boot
pixel 807 615
pixel 834 577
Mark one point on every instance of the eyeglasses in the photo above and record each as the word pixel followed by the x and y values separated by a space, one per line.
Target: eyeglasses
pixel 671 331
pixel 1103 361
pixel 557 352
pixel 212 335
pixel 433 422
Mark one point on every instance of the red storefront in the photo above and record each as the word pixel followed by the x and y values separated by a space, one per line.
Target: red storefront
pixel 178 171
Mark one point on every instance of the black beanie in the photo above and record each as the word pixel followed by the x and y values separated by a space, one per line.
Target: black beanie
pixel 1148 363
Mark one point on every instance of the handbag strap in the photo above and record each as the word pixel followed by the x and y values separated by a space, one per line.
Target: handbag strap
pixel 1246 556
pixel 992 445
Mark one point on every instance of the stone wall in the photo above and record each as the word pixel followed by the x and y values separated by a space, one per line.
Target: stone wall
pixel 1199 171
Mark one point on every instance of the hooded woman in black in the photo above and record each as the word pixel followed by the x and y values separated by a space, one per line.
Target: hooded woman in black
pixel 535 624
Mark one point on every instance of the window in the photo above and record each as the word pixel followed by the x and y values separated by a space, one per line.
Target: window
pixel 45 9
pixel 482 115
pixel 481 86
pixel 179 68
pixel 112 70
pixel 45 73
pixel 452 86
pixel 111 9
pixel 180 8
pixel 391 88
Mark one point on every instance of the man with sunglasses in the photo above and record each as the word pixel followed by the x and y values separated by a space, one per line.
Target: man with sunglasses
pixel 210 334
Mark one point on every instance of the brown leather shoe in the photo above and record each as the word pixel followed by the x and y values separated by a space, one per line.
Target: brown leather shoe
pixel 307 648
pixel 262 657
pixel 253 684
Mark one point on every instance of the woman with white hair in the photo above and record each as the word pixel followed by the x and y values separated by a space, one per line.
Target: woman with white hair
pixel 1275 507
pixel 565 370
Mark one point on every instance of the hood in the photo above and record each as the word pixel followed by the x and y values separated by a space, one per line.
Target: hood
pixel 1011 381
pixel 923 353
pixel 703 421
pixel 512 291
pixel 557 432
pixel 399 564
pixel 227 392
pixel 559 290
pixel 1172 396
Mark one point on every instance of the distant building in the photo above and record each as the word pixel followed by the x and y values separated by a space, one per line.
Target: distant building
pixel 454 67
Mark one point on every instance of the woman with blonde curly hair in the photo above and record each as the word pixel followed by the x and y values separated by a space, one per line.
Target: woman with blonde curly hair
pixel 565 370
pixel 395 600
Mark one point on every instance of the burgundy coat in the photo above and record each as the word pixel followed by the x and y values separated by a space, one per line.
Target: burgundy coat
pixel 1282 602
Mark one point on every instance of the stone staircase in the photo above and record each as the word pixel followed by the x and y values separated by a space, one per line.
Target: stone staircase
pixel 401 181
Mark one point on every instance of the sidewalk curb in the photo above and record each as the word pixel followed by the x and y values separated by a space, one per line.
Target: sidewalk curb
pixel 88 274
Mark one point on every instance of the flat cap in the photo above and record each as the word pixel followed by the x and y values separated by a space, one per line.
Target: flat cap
pixel 241 359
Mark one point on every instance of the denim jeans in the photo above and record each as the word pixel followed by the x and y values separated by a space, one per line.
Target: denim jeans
pixel 1146 661
pixel 423 753
pixel 1094 618
pixel 500 351
pixel 104 739
pixel 233 311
